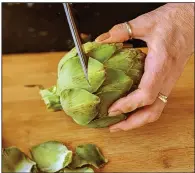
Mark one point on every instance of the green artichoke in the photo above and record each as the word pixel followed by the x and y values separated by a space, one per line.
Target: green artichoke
pixel 113 71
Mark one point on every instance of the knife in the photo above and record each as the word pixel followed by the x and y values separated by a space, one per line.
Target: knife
pixel 83 58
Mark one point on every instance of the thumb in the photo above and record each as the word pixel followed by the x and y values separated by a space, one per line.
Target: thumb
pixel 140 26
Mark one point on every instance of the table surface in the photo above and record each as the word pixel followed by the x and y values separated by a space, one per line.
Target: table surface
pixel 165 145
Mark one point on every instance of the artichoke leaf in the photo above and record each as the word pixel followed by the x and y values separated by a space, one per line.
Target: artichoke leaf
pixel 106 121
pixel 85 169
pixel 121 60
pixel 51 156
pixel 107 99
pixel 51 99
pixel 116 80
pixel 117 83
pixel 102 52
pixel 14 160
pixel 88 154
pixel 77 162
pixel 71 75
pixel 87 47
pixel 80 104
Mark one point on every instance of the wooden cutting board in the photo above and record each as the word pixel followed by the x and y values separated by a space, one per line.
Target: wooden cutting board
pixel 166 145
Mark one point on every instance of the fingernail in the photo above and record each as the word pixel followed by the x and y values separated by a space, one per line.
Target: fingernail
pixel 115 130
pixel 114 113
pixel 102 37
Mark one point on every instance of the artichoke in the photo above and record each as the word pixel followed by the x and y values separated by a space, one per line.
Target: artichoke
pixel 113 71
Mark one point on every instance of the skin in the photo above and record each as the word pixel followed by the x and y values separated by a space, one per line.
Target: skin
pixel 169 34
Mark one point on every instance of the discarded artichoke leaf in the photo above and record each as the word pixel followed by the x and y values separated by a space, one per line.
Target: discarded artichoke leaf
pixel 51 156
pixel 51 99
pixel 77 162
pixel 71 75
pixel 106 121
pixel 14 160
pixel 85 169
pixel 35 169
pixel 91 154
pixel 80 104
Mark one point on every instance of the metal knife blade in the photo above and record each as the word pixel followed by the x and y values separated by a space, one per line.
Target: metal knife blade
pixel 76 38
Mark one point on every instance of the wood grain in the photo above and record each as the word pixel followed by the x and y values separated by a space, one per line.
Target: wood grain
pixel 166 145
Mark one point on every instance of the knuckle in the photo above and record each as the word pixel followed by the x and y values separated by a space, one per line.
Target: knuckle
pixel 118 27
pixel 152 117
pixel 125 128
pixel 149 98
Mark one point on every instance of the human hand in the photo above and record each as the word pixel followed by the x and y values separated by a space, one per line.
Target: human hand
pixel 169 34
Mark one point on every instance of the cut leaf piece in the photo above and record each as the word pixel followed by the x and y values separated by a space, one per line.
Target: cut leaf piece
pixel 80 104
pixel 51 99
pixel 35 169
pixel 14 160
pixel 106 121
pixel 72 76
pixel 91 154
pixel 77 162
pixel 85 169
pixel 51 156
pixel 103 52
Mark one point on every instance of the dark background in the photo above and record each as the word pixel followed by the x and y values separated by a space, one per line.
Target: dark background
pixel 42 27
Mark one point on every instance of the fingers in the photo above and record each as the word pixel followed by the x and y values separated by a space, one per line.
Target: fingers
pixel 149 113
pixel 146 115
pixel 150 85
pixel 118 33
pixel 140 26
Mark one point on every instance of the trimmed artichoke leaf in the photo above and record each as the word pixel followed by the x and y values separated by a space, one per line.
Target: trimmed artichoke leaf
pixel 77 162
pixel 85 169
pixel 80 104
pixel 87 47
pixel 51 156
pixel 35 169
pixel 14 160
pixel 103 52
pixel 51 99
pixel 72 76
pixel 88 154
pixel 106 121
pixel 72 53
